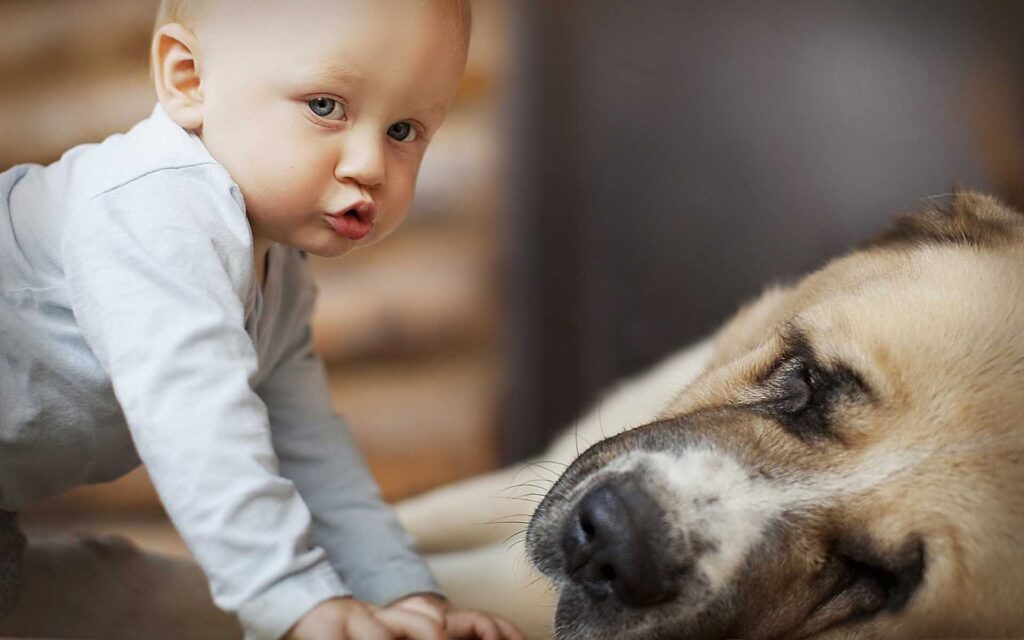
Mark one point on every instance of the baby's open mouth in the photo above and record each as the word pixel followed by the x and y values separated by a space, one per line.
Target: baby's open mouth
pixel 354 223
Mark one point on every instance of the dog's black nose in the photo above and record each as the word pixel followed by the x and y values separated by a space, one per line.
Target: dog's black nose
pixel 610 545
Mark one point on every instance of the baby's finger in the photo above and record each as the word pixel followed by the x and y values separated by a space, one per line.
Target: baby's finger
pixel 508 630
pixel 423 606
pixel 406 624
pixel 367 628
pixel 472 624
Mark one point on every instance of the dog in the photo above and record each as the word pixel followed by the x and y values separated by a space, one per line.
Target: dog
pixel 844 459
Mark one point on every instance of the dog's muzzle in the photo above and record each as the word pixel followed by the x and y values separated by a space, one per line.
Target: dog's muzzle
pixel 612 546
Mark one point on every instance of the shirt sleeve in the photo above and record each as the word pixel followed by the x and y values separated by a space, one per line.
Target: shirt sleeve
pixel 158 271
pixel 361 533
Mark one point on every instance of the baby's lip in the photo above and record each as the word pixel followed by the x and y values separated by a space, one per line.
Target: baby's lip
pixel 353 222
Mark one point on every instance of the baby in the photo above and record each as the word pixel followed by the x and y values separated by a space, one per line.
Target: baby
pixel 155 301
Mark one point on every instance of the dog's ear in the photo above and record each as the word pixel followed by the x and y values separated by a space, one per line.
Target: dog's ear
pixel 970 218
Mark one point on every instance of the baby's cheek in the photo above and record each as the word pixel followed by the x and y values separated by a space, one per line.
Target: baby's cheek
pixel 394 220
pixel 401 193
pixel 287 187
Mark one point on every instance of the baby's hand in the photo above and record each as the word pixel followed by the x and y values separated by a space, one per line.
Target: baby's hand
pixel 428 604
pixel 466 624
pixel 459 624
pixel 351 619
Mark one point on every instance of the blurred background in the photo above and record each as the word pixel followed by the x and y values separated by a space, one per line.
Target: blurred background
pixel 615 179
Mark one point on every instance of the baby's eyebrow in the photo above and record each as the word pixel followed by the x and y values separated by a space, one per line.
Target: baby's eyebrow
pixel 336 72
pixel 434 108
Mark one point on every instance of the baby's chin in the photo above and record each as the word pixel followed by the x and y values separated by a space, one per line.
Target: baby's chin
pixel 336 250
pixel 333 245
pixel 338 246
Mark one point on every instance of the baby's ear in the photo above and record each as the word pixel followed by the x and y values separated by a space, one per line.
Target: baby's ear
pixel 176 74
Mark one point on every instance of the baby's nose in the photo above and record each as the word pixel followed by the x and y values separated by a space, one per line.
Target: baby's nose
pixel 362 160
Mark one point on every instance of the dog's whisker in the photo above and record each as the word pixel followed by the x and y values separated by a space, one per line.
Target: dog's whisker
pixel 538 464
pixel 600 419
pixel 525 484
pixel 528 467
pixel 550 482
pixel 542 465
pixel 523 499
pixel 531 494
pixel 938 196
pixel 556 462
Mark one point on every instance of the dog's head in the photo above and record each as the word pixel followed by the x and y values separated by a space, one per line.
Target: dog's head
pixel 850 464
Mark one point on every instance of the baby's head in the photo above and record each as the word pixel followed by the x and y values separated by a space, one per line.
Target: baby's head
pixel 320 110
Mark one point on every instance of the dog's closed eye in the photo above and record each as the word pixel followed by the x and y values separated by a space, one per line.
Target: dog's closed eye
pixel 792 386
pixel 802 393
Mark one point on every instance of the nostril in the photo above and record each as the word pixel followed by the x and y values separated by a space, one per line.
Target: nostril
pixel 608 573
pixel 587 525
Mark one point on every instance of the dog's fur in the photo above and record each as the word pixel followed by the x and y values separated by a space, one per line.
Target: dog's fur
pixel 845 459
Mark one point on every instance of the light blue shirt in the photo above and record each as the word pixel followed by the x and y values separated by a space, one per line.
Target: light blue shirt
pixel 132 326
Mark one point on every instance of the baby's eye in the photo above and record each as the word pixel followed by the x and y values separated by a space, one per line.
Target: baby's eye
pixel 402 131
pixel 328 108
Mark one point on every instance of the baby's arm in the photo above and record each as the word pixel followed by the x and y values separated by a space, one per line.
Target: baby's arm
pixel 158 293
pixel 362 535
pixel 360 532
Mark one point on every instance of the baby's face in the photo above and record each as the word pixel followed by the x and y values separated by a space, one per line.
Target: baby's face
pixel 321 110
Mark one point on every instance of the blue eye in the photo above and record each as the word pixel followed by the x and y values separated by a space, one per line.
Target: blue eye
pixel 328 108
pixel 402 131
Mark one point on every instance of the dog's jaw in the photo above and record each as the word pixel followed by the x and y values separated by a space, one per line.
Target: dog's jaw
pixel 721 510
